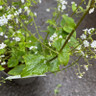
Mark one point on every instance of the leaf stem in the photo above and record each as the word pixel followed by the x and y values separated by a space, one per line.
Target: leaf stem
pixel 77 8
pixel 37 39
pixel 67 66
pixel 91 6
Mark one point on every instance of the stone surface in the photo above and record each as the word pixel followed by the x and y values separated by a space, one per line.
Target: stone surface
pixel 44 86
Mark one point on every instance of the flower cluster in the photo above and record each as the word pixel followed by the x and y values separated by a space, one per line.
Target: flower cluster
pixel 88 32
pixel 87 49
pixel 91 11
pixel 34 55
pixel 2 46
pixel 5 18
pixel 62 5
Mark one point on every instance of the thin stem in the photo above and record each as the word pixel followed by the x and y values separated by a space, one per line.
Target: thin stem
pixel 33 35
pixel 92 3
pixel 36 28
pixel 67 66
pixel 54 20
pixel 36 38
pixel 77 8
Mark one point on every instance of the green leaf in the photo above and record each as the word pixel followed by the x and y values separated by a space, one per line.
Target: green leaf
pixel 73 42
pixel 58 43
pixel 51 22
pixel 12 62
pixel 22 46
pixel 2 51
pixel 67 21
pixel 68 24
pixel 1 68
pixel 67 29
pixel 28 38
pixel 64 56
pixel 17 70
pixel 51 30
pixel 21 36
pixel 54 65
pixel 18 54
pixel 34 65
pixel 11 31
pixel 39 46
pixel 74 7
pixel 60 31
pixel 81 8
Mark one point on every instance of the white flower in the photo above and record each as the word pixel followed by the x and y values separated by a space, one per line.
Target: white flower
pixel 67 14
pixel 94 49
pixel 3 20
pixel 5 36
pixel 10 27
pixel 9 16
pixel 22 1
pixel 80 77
pixel 30 41
pixel 60 36
pixel 2 56
pixel 82 53
pixel 93 44
pixel 3 63
pixel 63 7
pixel 31 47
pixel 64 2
pixel 45 61
pixel 17 39
pixel 20 10
pixel 36 52
pixel 35 47
pixel 59 8
pixel 13 33
pixel 2 45
pixel 17 20
pixel 85 29
pixel 90 30
pixel 16 13
pixel 47 10
pixel 86 67
pixel 53 36
pixel 86 56
pixel 49 44
pixel 1 7
pixel 35 13
pixel 91 10
pixel 40 1
pixel 69 40
pixel 13 7
pixel 83 36
pixel 72 2
pixel 86 43
pixel 1 34
pixel 26 8
pixel 79 47
pixel 28 12
pixel 18 31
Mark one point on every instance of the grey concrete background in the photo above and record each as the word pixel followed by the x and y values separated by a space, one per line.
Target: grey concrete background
pixel 44 86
